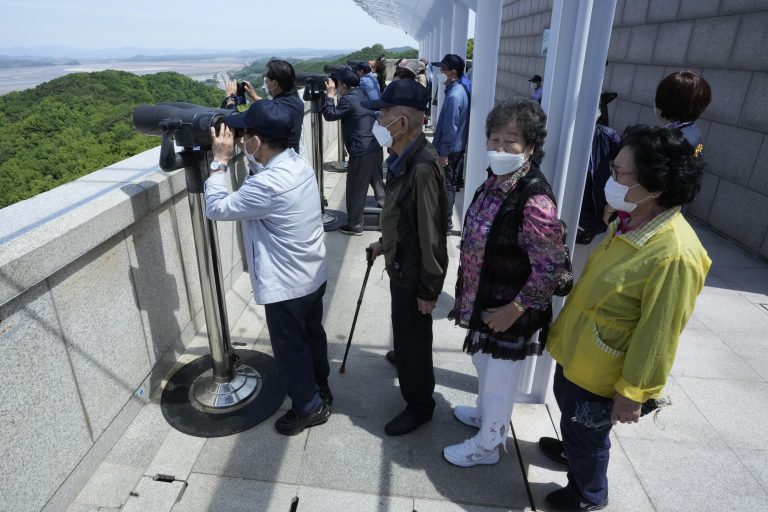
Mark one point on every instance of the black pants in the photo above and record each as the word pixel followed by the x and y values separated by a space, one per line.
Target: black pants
pixel 454 179
pixel 413 351
pixel 363 170
pixel 300 347
pixel 587 449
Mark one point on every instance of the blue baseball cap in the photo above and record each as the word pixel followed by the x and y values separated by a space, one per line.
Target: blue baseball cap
pixel 347 77
pixel 407 93
pixel 265 118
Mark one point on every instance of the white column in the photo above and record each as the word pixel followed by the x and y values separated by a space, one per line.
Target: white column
pixel 579 39
pixel 446 22
pixel 486 56
pixel 460 29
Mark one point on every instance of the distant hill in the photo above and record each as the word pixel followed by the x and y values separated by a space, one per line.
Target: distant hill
pixel 79 123
pixel 60 52
pixel 254 70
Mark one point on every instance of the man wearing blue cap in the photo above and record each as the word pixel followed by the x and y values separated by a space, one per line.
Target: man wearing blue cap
pixel 279 209
pixel 452 130
pixel 368 81
pixel 413 226
pixel 365 154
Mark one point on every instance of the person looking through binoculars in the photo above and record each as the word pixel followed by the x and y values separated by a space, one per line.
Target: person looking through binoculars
pixel 280 87
pixel 365 154
pixel 279 209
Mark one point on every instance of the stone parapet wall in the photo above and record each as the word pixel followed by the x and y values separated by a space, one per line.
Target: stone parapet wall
pixel 99 295
pixel 725 41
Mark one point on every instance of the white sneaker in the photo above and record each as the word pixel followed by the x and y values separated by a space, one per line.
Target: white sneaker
pixel 469 454
pixel 467 415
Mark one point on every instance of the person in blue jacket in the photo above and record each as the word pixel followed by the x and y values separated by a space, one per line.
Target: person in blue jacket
pixel 365 154
pixel 452 130
pixel 280 86
pixel 368 81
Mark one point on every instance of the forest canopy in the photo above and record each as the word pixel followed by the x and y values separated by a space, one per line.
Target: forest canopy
pixel 80 123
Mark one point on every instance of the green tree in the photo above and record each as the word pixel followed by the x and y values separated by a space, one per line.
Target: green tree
pixel 470 47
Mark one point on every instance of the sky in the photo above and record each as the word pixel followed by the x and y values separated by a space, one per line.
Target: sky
pixel 186 24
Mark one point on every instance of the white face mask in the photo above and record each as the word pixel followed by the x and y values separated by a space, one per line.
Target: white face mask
pixel 382 135
pixel 266 89
pixel 532 86
pixel 615 193
pixel 505 163
pixel 255 166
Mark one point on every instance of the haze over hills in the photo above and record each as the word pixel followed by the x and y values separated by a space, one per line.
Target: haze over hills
pixel 67 52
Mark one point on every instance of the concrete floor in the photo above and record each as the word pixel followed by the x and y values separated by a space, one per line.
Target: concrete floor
pixel 709 451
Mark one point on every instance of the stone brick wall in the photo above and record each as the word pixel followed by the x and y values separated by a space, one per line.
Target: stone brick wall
pixel 725 41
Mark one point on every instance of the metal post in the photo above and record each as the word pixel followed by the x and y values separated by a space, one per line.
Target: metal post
pixel 460 29
pixel 579 40
pixel 223 387
pixel 332 219
pixel 487 32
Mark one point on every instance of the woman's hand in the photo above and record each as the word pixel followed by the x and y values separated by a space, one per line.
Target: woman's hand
pixel 232 88
pixel 502 318
pixel 625 410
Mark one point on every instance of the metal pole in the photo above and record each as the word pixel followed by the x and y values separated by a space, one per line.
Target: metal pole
pixel 487 32
pixel 576 64
pixel 331 218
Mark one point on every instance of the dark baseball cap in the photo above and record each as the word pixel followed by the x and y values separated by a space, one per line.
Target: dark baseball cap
pixel 407 93
pixel 265 118
pixel 535 78
pixel 347 77
pixel 363 66
pixel 451 61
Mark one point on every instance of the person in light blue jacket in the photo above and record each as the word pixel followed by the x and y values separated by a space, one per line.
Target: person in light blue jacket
pixel 279 208
pixel 368 81
pixel 452 130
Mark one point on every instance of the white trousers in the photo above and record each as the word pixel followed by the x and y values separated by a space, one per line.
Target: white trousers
pixel 497 382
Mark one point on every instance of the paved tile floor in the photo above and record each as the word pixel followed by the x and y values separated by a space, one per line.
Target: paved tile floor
pixel 709 451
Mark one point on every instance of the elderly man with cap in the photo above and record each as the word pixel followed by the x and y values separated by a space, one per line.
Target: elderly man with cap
pixel 413 226
pixel 279 208
pixel 365 154
pixel 368 81
pixel 452 130
pixel 536 88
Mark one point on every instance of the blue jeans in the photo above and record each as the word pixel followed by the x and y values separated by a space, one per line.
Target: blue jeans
pixel 587 449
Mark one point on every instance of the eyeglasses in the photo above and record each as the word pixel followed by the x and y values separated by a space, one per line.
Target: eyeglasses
pixel 616 173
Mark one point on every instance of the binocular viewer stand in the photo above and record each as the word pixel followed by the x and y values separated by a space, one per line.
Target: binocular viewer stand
pixel 228 391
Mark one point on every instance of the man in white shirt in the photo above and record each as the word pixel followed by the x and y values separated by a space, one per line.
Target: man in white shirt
pixel 279 208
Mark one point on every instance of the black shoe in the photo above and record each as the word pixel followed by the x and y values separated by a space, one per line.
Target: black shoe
pixel 325 394
pixel 349 230
pixel 291 423
pixel 553 449
pixel 404 423
pixel 391 357
pixel 562 500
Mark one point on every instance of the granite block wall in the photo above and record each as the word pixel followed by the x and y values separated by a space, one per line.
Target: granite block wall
pixel 99 295
pixel 725 41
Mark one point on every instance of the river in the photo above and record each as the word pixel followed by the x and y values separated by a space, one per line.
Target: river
pixel 18 79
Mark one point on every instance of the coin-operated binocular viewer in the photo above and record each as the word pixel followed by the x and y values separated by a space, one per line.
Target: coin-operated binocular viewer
pixel 229 390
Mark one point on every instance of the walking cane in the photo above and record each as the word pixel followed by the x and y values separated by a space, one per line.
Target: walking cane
pixel 369 258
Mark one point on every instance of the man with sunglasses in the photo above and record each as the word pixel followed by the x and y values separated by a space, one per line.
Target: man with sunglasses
pixel 279 208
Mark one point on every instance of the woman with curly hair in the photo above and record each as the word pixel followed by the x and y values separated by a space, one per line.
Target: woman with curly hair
pixel 512 261
pixel 615 339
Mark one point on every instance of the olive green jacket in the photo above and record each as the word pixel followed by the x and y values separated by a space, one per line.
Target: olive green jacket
pixel 414 222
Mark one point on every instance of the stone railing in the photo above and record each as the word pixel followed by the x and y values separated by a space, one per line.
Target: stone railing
pixel 99 295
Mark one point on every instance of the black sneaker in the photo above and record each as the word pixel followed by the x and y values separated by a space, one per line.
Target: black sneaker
pixel 391 357
pixel 291 423
pixel 325 394
pixel 553 449
pixel 349 230
pixel 562 500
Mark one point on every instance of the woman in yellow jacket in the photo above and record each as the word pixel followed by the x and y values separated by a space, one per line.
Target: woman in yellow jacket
pixel 615 339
